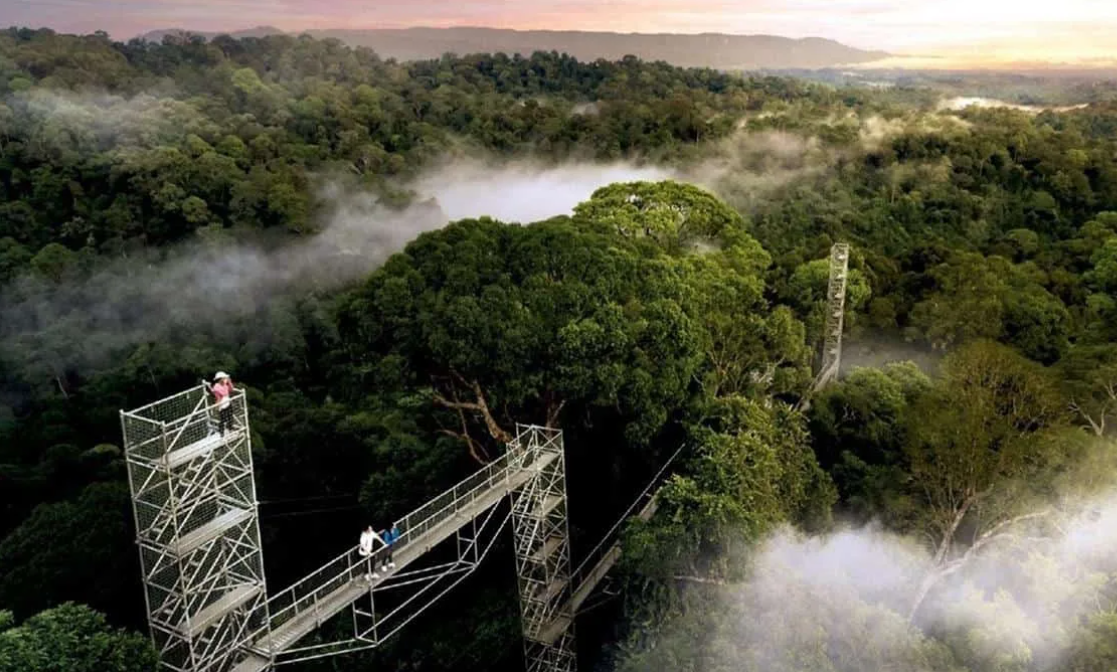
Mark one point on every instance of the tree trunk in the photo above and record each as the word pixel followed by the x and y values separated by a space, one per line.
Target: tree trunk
pixel 479 405
pixel 941 571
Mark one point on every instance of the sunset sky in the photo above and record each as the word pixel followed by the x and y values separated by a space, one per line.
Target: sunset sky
pixel 967 30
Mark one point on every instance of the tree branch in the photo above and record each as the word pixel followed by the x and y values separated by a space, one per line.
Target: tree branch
pixel 1098 427
pixel 476 451
pixel 995 532
pixel 479 405
pixel 941 571
pixel 700 579
pixel 553 413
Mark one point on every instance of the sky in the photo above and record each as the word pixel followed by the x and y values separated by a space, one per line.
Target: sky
pixel 1074 31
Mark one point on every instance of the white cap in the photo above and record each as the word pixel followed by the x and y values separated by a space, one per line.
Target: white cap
pixel 220 375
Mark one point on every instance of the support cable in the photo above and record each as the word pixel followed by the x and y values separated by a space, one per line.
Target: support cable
pixel 628 512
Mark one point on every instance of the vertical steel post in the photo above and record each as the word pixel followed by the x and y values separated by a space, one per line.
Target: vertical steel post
pixel 194 502
pixel 542 547
pixel 835 315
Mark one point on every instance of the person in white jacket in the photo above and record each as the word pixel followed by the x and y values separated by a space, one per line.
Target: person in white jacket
pixel 366 549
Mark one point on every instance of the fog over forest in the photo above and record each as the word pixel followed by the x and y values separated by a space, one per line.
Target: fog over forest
pixel 401 262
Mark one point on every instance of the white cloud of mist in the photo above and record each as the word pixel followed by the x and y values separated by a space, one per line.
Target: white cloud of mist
pixel 199 287
pixel 747 167
pixel 523 191
pixel 959 103
pixel 839 603
pixel 868 350
pixel 91 122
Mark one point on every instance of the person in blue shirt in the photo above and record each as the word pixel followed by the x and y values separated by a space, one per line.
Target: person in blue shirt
pixel 389 536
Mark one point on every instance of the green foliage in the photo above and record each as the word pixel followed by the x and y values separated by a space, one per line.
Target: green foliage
pixel 752 470
pixel 1095 647
pixel 1089 375
pixel 74 638
pixel 675 216
pixel 530 319
pixel 806 291
pixel 37 567
pixel 656 310
pixel 991 447
pixel 857 430
pixel 978 297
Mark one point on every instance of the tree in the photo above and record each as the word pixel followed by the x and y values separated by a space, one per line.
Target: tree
pixel 13 259
pixel 53 262
pixel 978 297
pixel 749 344
pixel 37 567
pixel 676 216
pixel 1089 373
pixel 507 323
pixel 1095 647
pixel 857 430
pixel 751 470
pixel 73 638
pixel 967 302
pixel 975 443
pixel 806 291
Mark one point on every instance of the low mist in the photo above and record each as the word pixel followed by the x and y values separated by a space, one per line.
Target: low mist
pixel 523 191
pixel 959 103
pixel 201 286
pixel 198 289
pixel 840 602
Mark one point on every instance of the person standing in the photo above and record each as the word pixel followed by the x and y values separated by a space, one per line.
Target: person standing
pixel 365 550
pixel 390 536
pixel 222 395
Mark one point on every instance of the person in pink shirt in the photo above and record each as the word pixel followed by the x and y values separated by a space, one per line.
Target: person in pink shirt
pixel 222 396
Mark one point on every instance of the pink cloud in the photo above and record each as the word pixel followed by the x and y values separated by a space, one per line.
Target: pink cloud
pixel 897 25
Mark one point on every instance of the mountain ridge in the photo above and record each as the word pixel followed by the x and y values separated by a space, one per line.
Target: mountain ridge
pixel 715 50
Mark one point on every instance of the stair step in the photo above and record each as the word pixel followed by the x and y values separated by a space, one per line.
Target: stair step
pixel 177 458
pixel 211 530
pixel 227 603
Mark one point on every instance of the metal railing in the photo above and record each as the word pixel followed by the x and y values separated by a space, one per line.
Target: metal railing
pixel 589 563
pixel 198 421
pixel 309 593
pixel 420 521
pixel 175 497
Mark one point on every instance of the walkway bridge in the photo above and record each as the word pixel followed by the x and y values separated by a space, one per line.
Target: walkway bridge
pixel 197 528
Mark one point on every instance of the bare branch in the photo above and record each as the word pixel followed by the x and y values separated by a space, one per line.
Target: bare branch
pixel 1097 426
pixel 943 570
pixel 478 405
pixel 995 532
pixel 700 579
pixel 553 413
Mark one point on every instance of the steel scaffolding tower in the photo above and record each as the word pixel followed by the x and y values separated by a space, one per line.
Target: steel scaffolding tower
pixel 835 315
pixel 542 547
pixel 194 501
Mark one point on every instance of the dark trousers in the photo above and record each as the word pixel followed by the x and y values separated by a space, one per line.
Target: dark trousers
pixel 225 416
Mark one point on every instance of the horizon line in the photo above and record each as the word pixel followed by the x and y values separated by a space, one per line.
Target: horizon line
pixel 887 56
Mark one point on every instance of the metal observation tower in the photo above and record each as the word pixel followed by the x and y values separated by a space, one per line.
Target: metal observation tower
pixel 835 316
pixel 198 532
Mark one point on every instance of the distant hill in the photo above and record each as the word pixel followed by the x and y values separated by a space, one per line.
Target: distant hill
pixel 259 31
pixel 715 50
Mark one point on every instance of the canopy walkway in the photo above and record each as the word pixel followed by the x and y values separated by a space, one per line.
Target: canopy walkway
pixel 300 609
pixel 197 529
